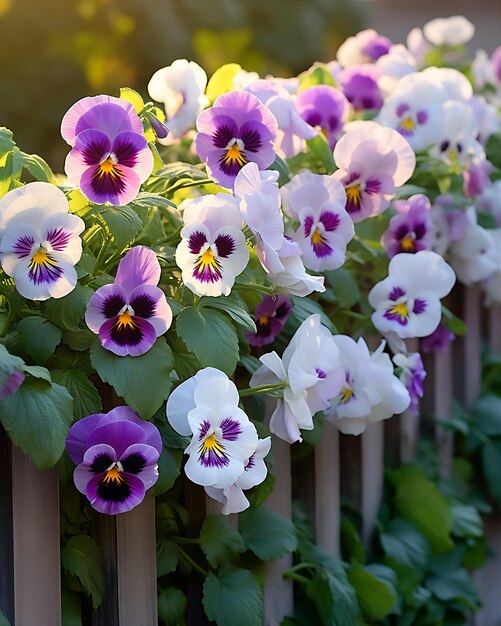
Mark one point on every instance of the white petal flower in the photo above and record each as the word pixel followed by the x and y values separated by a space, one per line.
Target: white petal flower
pixel 450 31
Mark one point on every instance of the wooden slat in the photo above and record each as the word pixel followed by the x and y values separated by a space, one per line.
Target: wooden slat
pixel 442 402
pixel 278 592
pixel 409 424
pixel 327 490
pixel 104 531
pixel 6 556
pixel 372 476
pixel 35 511
pixel 136 564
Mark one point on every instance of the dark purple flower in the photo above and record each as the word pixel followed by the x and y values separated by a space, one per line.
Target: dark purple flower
pixel 110 156
pixel 236 130
pixel 131 313
pixel 270 315
pixel 361 88
pixel 116 454
pixel 161 130
pixel 438 341
pixel 477 178
pixel 376 47
pixel 325 107
pixel 411 230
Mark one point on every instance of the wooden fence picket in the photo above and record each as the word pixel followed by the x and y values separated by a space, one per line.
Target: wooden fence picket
pixel 6 555
pixel 327 490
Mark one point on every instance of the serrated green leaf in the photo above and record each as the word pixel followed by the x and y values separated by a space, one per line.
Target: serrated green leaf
pixel 81 557
pixel 403 543
pixel 235 308
pixel 126 93
pixel 375 595
pixel 454 584
pixel 266 533
pixel 6 141
pixel 233 593
pixel 69 311
pixel 210 336
pixel 35 165
pixel 86 399
pixel 169 468
pixel 142 381
pixel 219 540
pixel 334 597
pixel 37 418
pixel 167 557
pixel 222 81
pixel 172 605
pixel 466 521
pixel 40 337
pixel 124 224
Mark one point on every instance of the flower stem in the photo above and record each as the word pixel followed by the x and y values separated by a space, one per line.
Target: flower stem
pixel 193 563
pixel 252 391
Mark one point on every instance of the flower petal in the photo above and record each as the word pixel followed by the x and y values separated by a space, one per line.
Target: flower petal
pixel 139 266
pixel 133 337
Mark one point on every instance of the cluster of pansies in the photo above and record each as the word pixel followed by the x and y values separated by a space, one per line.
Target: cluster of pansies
pixel 368 183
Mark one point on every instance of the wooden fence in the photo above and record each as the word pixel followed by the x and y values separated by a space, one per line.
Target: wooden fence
pixel 344 465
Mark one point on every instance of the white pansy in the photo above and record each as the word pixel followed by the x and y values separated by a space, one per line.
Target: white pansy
pixel 449 31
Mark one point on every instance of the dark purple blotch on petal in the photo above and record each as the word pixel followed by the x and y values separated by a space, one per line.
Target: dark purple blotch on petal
pixel 143 305
pixel 196 241
pixel 112 305
pixel 419 306
pixel 396 293
pixel 225 246
pixel 23 246
pixel 231 429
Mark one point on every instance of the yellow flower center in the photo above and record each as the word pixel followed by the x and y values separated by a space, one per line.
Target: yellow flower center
pixel 107 166
pixel 407 244
pixel 408 124
pixel 233 155
pixel 125 320
pixel 346 394
pixel 400 309
pixel 113 476
pixel 354 194
pixel 264 320
pixel 316 237
pixel 40 256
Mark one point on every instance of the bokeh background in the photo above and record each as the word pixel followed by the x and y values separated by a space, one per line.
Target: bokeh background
pixel 54 52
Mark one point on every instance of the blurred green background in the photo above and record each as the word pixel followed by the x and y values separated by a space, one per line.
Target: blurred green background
pixel 57 51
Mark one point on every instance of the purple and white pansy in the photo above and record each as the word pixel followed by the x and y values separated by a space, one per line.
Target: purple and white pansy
pixel 116 454
pixel 39 241
pixel 325 108
pixel 110 157
pixel 223 438
pixel 373 161
pixel 270 316
pixel 325 228
pixel 213 250
pixel 412 376
pixel 407 302
pixel 411 229
pixel 237 129
pixel 132 312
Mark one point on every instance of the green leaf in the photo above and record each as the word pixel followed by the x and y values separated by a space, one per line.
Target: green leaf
pixel 453 323
pixel 170 438
pixel 321 151
pixel 222 81
pixel 6 141
pixel 3 619
pixel 486 415
pixel 35 165
pixel 40 337
pixel 406 545
pixel 124 223
pixel 9 363
pixel 420 502
pixel 69 311
pixel 375 595
pixel 167 557
pixel 233 593
pixel 266 533
pixel 37 418
pixel 81 557
pixel 71 608
pixel 352 546
pixel 455 584
pixel 172 605
pixel 493 150
pixel 142 381
pixel 169 468
pixel 235 308
pixel 219 540
pixel 317 74
pixel 86 399
pixel 345 287
pixel 302 308
pixel 491 462
pixel 466 521
pixel 210 336
pixel 126 93
pixel 6 173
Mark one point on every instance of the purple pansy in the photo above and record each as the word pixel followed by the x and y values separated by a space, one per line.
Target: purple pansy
pixel 325 107
pixel 412 377
pixel 237 129
pixel 360 86
pixel 411 230
pixel 132 312
pixel 110 157
pixel 439 339
pixel 116 454
pixel 270 315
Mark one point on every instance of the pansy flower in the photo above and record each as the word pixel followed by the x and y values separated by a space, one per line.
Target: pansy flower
pixel 292 277
pixel 439 340
pixel 360 86
pixel 116 454
pixel 318 201
pixel 370 391
pixel 223 438
pixel 110 157
pixel 449 31
pixel 237 129
pixel 39 241
pixel 131 313
pixel 270 315
pixel 181 87
pixel 411 230
pixel 412 376
pixel 372 162
pixel 324 107
pixel 407 302
pixel 11 372
pixel 213 250
pixel 365 47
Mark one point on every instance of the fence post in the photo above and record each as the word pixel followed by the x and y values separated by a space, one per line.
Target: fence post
pixel 6 556
pixel 327 490
pixel 278 592
pixel 36 543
